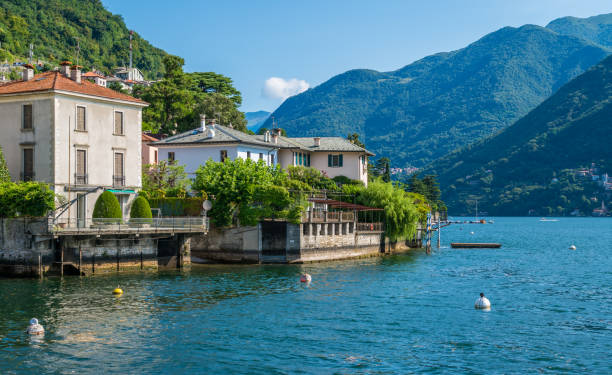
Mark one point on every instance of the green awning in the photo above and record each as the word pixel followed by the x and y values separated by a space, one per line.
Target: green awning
pixel 116 191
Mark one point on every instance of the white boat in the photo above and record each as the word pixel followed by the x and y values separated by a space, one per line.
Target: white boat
pixel 545 219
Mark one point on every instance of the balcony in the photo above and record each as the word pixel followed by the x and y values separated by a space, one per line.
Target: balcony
pixel 80 179
pixel 118 181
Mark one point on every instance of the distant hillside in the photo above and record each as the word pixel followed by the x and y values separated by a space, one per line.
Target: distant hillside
pixel 54 26
pixel 424 110
pixel 256 119
pixel 531 165
pixel 597 28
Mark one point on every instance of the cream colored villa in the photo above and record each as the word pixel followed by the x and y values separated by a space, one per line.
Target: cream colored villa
pixel 80 137
pixel 334 156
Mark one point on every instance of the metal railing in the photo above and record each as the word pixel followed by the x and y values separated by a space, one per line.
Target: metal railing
pixel 80 179
pixel 118 180
pixel 370 227
pixel 319 216
pixel 162 224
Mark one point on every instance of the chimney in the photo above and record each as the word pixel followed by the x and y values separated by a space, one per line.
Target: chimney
pixel 317 141
pixel 28 72
pixel 202 122
pixel 75 74
pixel 267 136
pixel 65 68
pixel 277 131
pixel 275 138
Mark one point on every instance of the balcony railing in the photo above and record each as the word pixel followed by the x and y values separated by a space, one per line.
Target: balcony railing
pixel 163 224
pixel 80 179
pixel 316 216
pixel 370 227
pixel 118 180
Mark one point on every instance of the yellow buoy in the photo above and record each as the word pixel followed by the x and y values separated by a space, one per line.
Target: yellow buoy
pixel 117 291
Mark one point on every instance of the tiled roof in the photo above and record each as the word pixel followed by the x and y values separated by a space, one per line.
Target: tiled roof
pixel 91 74
pixel 55 81
pixel 224 134
pixel 148 138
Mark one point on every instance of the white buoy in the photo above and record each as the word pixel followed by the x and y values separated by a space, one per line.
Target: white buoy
pixel 305 278
pixel 482 303
pixel 573 247
pixel 471 232
pixel 34 328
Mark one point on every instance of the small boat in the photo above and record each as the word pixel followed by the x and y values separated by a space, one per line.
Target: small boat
pixel 473 245
pixel 545 219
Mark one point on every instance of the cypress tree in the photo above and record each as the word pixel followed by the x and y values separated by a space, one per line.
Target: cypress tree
pixel 4 173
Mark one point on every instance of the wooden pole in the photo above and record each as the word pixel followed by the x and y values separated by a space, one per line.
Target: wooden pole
pixel 40 272
pixel 62 261
pixel 439 231
pixel 80 259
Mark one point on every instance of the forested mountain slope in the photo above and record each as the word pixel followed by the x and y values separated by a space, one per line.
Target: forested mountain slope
pixel 532 165
pixel 445 101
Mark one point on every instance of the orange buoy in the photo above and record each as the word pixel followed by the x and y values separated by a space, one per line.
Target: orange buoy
pixel 305 278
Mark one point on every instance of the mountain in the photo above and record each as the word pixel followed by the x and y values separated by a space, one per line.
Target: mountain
pixel 533 165
pixel 256 119
pixel 54 26
pixel 445 101
pixel 597 28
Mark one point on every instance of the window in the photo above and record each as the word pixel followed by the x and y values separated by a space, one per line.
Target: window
pixel 248 154
pixel 118 123
pixel 223 155
pixel 27 116
pixel 118 176
pixel 80 177
pixel 81 118
pixel 301 158
pixel 155 156
pixel 171 157
pixel 261 156
pixel 28 164
pixel 308 160
pixel 272 159
pixel 334 161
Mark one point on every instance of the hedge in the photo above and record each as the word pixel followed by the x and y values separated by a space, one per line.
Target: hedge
pixel 178 206
pixel 33 199
pixel 107 207
pixel 140 209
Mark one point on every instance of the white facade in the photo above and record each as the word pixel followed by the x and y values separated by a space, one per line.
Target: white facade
pixel 354 164
pixel 56 143
pixel 193 156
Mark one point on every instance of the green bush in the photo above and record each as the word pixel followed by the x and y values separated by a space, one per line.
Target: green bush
pixel 178 206
pixel 107 207
pixel 140 209
pixel 33 199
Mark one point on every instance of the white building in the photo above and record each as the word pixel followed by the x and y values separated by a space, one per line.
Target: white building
pixel 333 156
pixel 129 74
pixel 79 137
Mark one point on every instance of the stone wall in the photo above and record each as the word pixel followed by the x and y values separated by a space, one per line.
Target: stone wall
pixel 25 247
pixel 236 245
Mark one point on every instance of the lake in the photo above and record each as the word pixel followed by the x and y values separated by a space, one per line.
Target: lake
pixel 551 312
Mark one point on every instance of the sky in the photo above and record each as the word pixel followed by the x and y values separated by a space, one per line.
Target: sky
pixel 276 49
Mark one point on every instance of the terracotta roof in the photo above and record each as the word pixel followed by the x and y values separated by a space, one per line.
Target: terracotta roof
pixel 91 74
pixel 55 81
pixel 148 138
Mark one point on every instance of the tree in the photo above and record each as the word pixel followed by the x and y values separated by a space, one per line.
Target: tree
pixel 354 139
pixel 218 106
pixel 5 176
pixel 263 131
pixel 209 82
pixel 381 169
pixel 158 178
pixel 243 191
pixel 117 87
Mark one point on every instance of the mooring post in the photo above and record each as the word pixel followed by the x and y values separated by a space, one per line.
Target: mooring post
pixel 118 259
pixel 80 259
pixel 439 231
pixel 40 272
pixel 62 261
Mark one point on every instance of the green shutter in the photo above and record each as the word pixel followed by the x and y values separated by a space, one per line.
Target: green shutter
pixel 329 160
pixel 340 160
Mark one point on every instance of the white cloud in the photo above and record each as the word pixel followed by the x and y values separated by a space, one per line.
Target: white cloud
pixel 279 88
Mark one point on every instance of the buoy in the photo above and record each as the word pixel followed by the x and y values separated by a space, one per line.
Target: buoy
pixel 34 328
pixel 305 278
pixel 471 232
pixel 573 247
pixel 117 291
pixel 482 303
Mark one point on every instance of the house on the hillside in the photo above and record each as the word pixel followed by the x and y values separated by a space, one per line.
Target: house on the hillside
pixel 79 137
pixel 96 78
pixel 149 151
pixel 333 156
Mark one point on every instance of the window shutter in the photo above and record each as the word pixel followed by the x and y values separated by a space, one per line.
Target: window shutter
pixel 28 164
pixel 119 123
pixel 27 116
pixel 340 160
pixel 329 160
pixel 81 118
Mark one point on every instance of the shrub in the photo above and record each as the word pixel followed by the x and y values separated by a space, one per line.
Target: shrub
pixel 107 207
pixel 33 199
pixel 4 173
pixel 140 209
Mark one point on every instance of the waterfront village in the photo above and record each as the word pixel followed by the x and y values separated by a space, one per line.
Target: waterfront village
pixel 91 192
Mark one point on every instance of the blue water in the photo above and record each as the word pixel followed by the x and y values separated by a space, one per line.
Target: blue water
pixel 552 312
